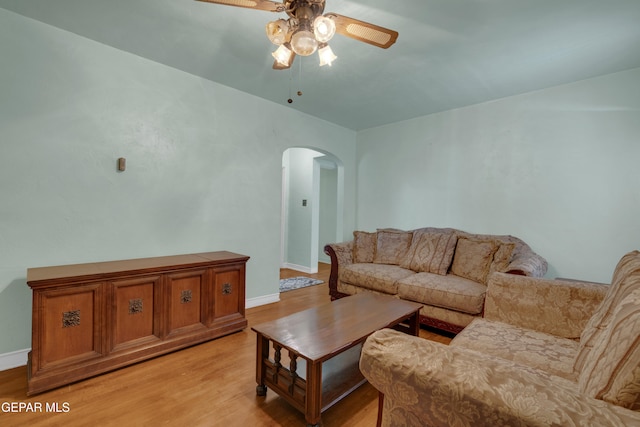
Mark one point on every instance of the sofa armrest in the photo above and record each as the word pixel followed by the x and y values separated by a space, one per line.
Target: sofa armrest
pixel 429 383
pixel 341 254
pixel 558 307
pixel 528 263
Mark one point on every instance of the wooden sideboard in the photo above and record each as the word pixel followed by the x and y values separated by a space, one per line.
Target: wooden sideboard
pixel 93 318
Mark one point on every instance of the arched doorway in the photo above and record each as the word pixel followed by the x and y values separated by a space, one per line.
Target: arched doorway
pixel 312 207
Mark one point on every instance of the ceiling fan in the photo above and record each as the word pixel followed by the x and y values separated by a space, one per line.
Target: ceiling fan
pixel 307 30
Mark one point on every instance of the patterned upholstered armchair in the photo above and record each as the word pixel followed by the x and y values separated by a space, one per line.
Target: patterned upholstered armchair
pixel 547 353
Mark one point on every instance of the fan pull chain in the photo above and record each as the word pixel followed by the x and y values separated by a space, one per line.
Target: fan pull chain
pixel 299 93
pixel 300 76
pixel 290 100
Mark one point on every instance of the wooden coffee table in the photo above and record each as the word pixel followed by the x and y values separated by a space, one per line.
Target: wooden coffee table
pixel 311 358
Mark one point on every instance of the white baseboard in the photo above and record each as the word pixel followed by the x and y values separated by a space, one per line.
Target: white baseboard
pixel 19 358
pixel 300 268
pixel 14 359
pixel 263 300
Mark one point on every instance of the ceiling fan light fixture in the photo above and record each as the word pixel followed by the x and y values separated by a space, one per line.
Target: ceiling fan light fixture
pixel 324 28
pixel 283 55
pixel 304 42
pixel 326 55
pixel 277 31
pixel 308 29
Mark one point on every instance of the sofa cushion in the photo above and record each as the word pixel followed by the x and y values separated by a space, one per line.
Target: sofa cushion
pixel 473 258
pixel 364 246
pixel 392 246
pixel 612 369
pixel 452 292
pixel 377 277
pixel 431 253
pixel 626 278
pixel 525 346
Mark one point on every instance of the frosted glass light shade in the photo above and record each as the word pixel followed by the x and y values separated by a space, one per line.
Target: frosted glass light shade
pixel 326 55
pixel 324 28
pixel 277 31
pixel 283 55
pixel 304 43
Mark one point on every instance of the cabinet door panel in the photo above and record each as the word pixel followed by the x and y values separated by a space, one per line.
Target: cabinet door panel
pixel 135 311
pixel 185 304
pixel 228 299
pixel 70 324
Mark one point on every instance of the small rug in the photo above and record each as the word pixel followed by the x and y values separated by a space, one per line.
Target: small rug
pixel 297 283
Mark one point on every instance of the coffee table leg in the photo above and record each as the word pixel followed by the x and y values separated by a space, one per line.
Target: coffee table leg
pixel 262 353
pixel 414 324
pixel 314 393
pixel 261 390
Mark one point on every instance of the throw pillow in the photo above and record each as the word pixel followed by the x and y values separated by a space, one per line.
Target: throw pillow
pixel 364 246
pixel 392 246
pixel 473 258
pixel 432 252
pixel 502 257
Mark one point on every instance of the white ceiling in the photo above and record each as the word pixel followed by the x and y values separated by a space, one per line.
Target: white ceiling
pixel 450 53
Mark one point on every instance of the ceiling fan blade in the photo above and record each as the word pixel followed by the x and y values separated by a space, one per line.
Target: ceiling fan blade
pixel 268 5
pixel 364 31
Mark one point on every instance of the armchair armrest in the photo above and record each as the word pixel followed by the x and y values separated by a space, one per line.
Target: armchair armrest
pixel 341 254
pixel 557 307
pixel 428 383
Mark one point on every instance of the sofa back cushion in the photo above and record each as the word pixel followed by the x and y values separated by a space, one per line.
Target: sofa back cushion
pixel 364 246
pixel 625 277
pixel 431 253
pixel 392 246
pixel 473 257
pixel 608 362
pixel 612 372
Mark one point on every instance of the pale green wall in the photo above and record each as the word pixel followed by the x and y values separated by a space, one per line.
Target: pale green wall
pixel 557 168
pixel 203 164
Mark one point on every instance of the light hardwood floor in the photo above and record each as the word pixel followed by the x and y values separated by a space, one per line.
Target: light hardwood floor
pixel 211 384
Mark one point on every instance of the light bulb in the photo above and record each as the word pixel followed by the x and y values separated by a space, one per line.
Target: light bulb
pixel 326 55
pixel 303 42
pixel 324 28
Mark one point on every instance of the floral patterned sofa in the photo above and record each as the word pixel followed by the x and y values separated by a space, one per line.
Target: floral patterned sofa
pixel 547 353
pixel 443 268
